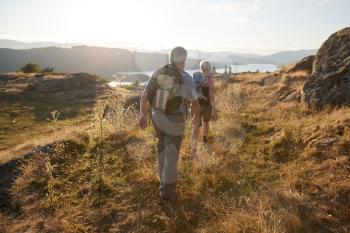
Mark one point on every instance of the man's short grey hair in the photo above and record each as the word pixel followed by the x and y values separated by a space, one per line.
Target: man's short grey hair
pixel 205 66
pixel 178 55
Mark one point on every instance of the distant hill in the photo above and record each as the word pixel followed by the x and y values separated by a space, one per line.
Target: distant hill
pixel 221 56
pixel 241 58
pixel 96 60
pixel 14 44
pixel 289 56
pixel 102 60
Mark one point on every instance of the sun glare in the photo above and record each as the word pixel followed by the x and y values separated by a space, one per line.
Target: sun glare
pixel 109 21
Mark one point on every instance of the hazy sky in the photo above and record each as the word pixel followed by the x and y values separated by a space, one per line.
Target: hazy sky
pixel 260 26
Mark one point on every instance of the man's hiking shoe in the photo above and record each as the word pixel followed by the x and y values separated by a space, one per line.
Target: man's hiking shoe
pixel 205 139
pixel 194 153
pixel 168 200
pixel 167 193
pixel 208 139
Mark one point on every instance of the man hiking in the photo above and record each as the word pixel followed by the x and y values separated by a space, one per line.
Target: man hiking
pixel 167 93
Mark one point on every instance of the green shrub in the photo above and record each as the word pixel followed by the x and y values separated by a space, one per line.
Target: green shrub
pixel 283 148
pixel 48 70
pixel 136 83
pixel 31 68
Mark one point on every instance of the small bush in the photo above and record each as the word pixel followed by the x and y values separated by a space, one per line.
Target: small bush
pixel 136 83
pixel 31 68
pixel 48 70
pixel 283 148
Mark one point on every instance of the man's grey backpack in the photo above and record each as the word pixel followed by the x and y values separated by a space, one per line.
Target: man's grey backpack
pixel 166 89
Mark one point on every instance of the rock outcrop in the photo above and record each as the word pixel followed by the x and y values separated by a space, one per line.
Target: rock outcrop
pixel 329 84
pixel 306 64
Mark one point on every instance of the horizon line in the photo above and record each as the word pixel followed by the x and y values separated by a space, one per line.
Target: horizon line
pixel 251 51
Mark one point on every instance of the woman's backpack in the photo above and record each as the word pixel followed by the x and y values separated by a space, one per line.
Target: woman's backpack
pixel 201 84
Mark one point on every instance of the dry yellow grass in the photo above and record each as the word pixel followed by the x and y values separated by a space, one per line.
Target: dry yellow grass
pixel 286 68
pixel 264 171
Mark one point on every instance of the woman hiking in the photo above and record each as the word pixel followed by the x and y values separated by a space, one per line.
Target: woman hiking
pixel 204 83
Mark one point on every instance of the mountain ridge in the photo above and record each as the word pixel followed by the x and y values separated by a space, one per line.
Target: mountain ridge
pixel 15 44
pixel 81 58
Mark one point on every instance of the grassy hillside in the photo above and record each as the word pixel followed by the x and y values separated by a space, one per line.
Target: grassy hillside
pixel 27 100
pixel 271 166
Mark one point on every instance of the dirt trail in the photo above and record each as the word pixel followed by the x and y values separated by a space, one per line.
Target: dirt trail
pixel 27 146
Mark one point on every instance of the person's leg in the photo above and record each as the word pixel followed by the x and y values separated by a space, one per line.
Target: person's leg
pixel 195 132
pixel 206 119
pixel 172 143
pixel 205 128
pixel 205 131
pixel 160 154
pixel 169 130
pixel 195 136
pixel 170 171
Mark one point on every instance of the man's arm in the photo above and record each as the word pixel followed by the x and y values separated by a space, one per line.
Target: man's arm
pixel 212 93
pixel 144 107
pixel 145 101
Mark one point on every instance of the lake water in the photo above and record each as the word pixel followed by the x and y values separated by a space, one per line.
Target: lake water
pixel 251 67
pixel 235 69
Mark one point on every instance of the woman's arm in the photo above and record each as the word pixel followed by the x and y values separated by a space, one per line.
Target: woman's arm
pixel 212 98
pixel 211 93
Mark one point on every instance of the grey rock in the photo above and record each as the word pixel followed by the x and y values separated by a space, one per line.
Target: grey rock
pixel 329 84
pixel 306 64
pixel 325 142
pixel 294 96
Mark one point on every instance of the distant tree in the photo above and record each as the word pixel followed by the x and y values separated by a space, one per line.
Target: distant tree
pixel 214 69
pixel 136 83
pixel 48 70
pixel 31 68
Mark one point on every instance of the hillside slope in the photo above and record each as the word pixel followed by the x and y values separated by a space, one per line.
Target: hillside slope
pixel 27 101
pixel 271 166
